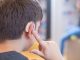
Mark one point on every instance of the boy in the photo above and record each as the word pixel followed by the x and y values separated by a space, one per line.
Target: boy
pixel 17 31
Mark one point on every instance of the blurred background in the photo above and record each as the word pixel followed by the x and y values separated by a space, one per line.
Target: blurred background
pixel 61 23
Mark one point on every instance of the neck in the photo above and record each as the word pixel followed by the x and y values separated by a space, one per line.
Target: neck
pixel 11 45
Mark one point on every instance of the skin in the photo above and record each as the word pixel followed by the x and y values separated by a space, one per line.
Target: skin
pixel 48 50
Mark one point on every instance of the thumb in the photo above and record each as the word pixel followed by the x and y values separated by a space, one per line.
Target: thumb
pixel 37 52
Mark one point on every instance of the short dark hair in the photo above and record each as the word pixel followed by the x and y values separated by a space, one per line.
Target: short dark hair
pixel 14 16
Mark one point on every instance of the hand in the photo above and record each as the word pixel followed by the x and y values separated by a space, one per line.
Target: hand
pixel 48 50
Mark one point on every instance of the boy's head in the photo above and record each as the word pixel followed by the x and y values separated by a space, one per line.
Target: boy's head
pixel 16 17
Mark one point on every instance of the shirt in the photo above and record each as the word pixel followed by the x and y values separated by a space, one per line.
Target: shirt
pixel 12 55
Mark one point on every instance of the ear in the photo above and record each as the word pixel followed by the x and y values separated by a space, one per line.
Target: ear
pixel 30 27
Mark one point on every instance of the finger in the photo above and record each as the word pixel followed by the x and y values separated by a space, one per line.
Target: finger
pixel 37 52
pixel 31 37
pixel 39 40
pixel 35 34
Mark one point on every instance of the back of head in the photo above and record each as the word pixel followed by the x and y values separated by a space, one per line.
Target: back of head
pixel 14 16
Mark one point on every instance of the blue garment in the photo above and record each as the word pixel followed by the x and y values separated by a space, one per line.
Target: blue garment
pixel 12 55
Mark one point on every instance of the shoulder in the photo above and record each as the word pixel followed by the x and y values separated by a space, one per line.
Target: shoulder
pixel 12 56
